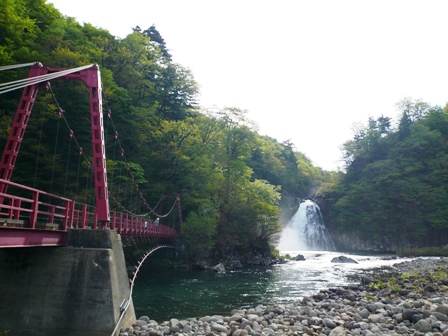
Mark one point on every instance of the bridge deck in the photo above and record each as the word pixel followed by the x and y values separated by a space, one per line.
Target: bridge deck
pixel 31 217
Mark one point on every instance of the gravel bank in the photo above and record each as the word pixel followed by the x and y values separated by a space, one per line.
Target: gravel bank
pixel 412 299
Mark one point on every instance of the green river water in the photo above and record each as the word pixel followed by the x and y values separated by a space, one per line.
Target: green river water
pixel 179 293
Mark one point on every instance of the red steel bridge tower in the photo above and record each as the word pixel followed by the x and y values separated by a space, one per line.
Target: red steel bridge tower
pixel 92 78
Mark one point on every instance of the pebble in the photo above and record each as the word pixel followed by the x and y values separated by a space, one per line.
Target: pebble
pixel 358 310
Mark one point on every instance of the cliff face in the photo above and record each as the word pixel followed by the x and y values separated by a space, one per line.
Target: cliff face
pixel 289 205
pixel 351 242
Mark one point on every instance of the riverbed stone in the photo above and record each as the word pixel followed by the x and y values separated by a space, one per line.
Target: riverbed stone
pixel 423 326
pixel 442 309
pixel 218 327
pixel 403 329
pixel 408 313
pixel 174 329
pixel 328 323
pixel 371 307
pixel 439 316
pixel 364 313
pixel 376 318
pixel 338 331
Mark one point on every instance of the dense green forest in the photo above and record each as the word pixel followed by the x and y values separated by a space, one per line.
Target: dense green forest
pixel 394 190
pixel 232 181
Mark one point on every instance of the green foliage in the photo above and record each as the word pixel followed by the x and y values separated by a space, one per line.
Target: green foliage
pixel 370 297
pixel 200 229
pixel 438 274
pixel 405 276
pixel 393 285
pixel 377 285
pixel 276 253
pixel 395 184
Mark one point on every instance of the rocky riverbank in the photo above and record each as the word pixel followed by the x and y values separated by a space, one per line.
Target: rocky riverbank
pixel 409 298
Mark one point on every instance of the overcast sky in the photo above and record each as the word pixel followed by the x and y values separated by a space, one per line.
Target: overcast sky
pixel 305 70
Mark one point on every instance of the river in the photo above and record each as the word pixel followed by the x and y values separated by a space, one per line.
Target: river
pixel 179 293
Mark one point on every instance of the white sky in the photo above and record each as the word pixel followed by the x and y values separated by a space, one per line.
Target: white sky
pixel 305 70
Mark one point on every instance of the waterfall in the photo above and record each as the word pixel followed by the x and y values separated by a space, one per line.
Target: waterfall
pixel 306 231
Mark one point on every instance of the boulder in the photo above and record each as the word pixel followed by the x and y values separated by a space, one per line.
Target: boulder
pixel 219 268
pixel 365 280
pixel 344 260
pixel 299 257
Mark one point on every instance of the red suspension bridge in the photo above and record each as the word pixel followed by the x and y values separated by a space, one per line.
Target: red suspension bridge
pixel 82 288
pixel 32 217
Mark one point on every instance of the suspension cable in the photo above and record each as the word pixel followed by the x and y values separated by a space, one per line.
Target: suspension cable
pixel 54 155
pixel 128 168
pixel 68 160
pixel 21 83
pixel 16 66
pixel 38 146
pixel 81 152
pixel 61 114
pixel 146 214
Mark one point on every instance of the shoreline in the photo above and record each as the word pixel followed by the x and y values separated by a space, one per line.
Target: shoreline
pixel 409 298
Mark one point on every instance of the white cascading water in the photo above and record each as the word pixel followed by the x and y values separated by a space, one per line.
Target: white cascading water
pixel 306 231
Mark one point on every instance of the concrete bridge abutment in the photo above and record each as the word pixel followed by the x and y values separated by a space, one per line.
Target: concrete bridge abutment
pixel 75 290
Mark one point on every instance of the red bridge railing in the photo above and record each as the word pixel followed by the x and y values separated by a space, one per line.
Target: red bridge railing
pixel 31 217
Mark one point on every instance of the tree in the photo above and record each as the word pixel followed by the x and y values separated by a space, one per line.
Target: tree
pixel 157 41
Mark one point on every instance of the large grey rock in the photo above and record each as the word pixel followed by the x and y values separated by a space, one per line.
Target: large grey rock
pixel 219 268
pixel 377 318
pixel 299 257
pixel 218 327
pixel 174 329
pixel 357 317
pixel 442 309
pixel 174 322
pixel 364 313
pixel 423 326
pixel 328 323
pixel 344 260
pixel 365 280
pixel 439 316
pixel 252 317
pixel 338 331
pixel 216 318
pixel 371 307
pixel 266 261
pixel 256 326
pixel 408 313
pixel 140 323
pixel 236 317
pixel 402 330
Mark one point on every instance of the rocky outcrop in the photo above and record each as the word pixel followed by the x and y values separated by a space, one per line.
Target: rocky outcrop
pixel 351 242
pixel 237 261
pixel 288 205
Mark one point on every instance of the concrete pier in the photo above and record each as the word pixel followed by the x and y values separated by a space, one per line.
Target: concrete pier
pixel 75 290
